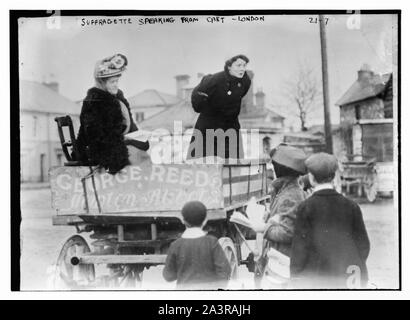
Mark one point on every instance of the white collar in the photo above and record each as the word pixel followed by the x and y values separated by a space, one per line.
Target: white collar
pixel 192 233
pixel 323 186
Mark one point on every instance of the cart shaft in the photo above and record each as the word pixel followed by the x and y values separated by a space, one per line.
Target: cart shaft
pixel 119 259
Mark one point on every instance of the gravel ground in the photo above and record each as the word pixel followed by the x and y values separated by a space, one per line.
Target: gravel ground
pixel 41 243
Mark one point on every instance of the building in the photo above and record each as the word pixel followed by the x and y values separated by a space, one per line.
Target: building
pixel 181 111
pixel 307 141
pixel 40 146
pixel 258 116
pixel 366 122
pixel 150 102
pixel 174 121
pixel 338 144
pixel 313 140
pixel 253 116
pixel 366 116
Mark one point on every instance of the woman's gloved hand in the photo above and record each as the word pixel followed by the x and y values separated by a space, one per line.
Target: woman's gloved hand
pixel 202 94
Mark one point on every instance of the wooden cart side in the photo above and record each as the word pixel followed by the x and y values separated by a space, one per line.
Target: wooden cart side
pixel 75 191
pixel 141 217
pixel 136 189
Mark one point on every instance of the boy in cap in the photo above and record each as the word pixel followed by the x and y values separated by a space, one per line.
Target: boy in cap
pixel 289 165
pixel 330 244
pixel 286 194
pixel 196 260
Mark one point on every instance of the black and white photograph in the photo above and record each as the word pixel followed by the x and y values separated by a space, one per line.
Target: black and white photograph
pixel 241 150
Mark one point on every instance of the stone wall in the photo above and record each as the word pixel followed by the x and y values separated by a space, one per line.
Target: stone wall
pixel 369 109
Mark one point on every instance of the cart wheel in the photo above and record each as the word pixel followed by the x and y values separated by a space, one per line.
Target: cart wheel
pixel 229 248
pixel 370 188
pixel 69 276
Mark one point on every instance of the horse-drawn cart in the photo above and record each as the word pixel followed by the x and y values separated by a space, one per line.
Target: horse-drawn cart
pixel 133 216
pixel 359 176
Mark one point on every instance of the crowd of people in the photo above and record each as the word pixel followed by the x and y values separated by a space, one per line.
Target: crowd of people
pixel 322 233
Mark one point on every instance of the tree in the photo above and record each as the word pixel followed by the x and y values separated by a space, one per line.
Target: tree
pixel 302 93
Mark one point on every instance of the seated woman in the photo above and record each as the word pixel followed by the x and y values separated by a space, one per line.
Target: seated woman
pixel 105 118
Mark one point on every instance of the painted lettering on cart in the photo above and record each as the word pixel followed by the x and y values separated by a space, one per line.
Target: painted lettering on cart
pixel 159 173
pixel 160 187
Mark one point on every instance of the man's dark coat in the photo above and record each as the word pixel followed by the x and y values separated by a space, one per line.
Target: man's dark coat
pixel 330 243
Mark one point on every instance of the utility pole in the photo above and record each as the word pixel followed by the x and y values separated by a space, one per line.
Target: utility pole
pixel 325 81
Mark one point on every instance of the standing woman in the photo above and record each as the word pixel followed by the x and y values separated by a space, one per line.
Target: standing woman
pixel 218 99
pixel 105 118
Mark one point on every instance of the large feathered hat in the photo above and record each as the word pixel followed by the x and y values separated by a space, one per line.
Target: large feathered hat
pixel 111 66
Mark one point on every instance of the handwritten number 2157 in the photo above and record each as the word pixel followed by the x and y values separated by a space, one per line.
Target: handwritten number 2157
pixel 316 20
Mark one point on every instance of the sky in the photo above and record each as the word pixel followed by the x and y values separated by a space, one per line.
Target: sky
pixel 276 47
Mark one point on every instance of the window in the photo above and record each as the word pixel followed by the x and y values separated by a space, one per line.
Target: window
pixel 357 111
pixel 35 126
pixel 43 169
pixel 388 100
pixel 377 141
pixel 266 142
pixel 60 159
pixel 388 109
pixel 139 116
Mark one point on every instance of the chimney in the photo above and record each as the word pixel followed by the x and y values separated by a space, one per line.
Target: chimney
pixel 51 82
pixel 187 92
pixel 365 74
pixel 52 85
pixel 181 81
pixel 247 101
pixel 260 98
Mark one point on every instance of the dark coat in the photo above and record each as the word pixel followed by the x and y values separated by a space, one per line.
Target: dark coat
pixel 330 239
pixel 197 263
pixel 219 109
pixel 100 139
pixel 285 197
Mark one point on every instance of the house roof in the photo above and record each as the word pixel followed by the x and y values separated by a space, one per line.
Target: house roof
pixel 361 90
pixel 184 112
pixel 262 126
pixel 260 113
pixel 320 129
pixel 302 136
pixel 35 96
pixel 152 98
pixel 181 111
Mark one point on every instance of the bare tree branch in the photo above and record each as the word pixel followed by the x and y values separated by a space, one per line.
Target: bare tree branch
pixel 302 93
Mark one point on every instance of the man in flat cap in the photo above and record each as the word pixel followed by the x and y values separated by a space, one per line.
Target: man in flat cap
pixel 330 243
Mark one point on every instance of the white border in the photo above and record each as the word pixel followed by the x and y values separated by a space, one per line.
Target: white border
pixel 5 292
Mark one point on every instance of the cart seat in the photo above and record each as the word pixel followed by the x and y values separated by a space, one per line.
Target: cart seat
pixel 73 157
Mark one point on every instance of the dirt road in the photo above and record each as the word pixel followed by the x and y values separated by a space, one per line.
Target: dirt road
pixel 41 243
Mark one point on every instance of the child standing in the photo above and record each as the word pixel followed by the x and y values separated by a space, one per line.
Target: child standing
pixel 196 260
pixel 330 244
